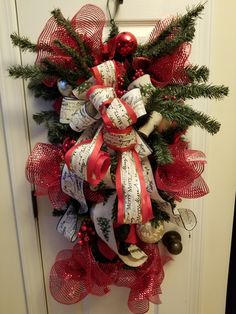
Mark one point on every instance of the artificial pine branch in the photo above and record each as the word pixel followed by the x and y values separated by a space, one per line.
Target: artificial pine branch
pixel 114 30
pixel 41 90
pixel 158 214
pixel 191 91
pixel 184 115
pixel 78 60
pixel 180 30
pixel 57 132
pixel 160 149
pixel 23 43
pixel 197 73
pixel 24 71
pixel 26 45
pixel 44 116
pixel 60 71
pixel 61 21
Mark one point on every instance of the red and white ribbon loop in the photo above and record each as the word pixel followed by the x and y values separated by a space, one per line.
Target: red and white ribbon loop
pixel 134 204
pixel 87 160
pixel 105 73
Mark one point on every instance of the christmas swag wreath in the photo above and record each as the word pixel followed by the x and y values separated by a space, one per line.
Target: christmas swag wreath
pixel 118 160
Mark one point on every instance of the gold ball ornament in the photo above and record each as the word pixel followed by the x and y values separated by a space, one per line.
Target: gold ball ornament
pixel 150 233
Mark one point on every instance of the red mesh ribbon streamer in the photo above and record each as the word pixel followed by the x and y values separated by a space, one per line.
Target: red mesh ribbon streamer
pixel 43 169
pixel 76 274
pixel 88 23
pixel 170 69
pixel 182 177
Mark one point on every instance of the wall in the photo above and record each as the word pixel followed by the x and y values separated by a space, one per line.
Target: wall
pixel 219 206
pixel 12 297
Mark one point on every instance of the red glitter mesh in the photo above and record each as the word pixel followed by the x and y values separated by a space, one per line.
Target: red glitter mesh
pixel 160 26
pixel 76 274
pixel 182 177
pixel 43 169
pixel 88 22
pixel 171 68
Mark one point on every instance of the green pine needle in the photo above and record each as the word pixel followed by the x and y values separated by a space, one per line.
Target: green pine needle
pixel 184 115
pixel 160 149
pixel 24 71
pixel 197 73
pixel 23 43
pixel 193 91
pixel 78 60
pixel 180 30
pixel 114 30
pixel 61 21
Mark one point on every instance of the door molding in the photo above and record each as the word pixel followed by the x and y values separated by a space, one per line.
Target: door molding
pixel 17 148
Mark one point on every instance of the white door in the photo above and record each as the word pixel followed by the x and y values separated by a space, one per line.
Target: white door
pixel 181 283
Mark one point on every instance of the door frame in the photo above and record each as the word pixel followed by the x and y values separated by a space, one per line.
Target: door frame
pixel 18 147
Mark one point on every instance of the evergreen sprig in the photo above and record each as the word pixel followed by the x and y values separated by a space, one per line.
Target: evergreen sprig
pixel 23 43
pixel 26 45
pixel 44 116
pixel 114 30
pixel 78 60
pixel 180 30
pixel 184 115
pixel 197 73
pixel 24 71
pixel 61 21
pixel 61 71
pixel 160 148
pixel 158 213
pixel 41 90
pixel 193 91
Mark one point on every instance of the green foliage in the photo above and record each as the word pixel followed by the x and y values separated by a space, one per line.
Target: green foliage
pixel 197 73
pixel 114 30
pixel 23 43
pixel 160 149
pixel 61 21
pixel 57 131
pixel 52 69
pixel 41 90
pixel 78 60
pixel 24 71
pixel 193 91
pixel 184 115
pixel 180 30
pixel 104 225
pixel 158 213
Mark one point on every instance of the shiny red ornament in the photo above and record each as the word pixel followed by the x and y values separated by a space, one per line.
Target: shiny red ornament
pixel 126 44
pixel 83 228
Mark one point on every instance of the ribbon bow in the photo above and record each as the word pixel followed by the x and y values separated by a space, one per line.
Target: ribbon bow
pixel 115 129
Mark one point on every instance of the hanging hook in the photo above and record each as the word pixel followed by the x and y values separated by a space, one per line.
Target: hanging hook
pixel 117 4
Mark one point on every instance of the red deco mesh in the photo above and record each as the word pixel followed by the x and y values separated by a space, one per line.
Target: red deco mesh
pixel 160 26
pixel 169 69
pixel 88 23
pixel 182 177
pixel 76 274
pixel 43 169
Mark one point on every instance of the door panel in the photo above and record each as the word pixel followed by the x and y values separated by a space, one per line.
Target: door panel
pixel 137 17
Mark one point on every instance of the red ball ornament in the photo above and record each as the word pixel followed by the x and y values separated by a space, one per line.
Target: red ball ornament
pixel 84 228
pixel 126 44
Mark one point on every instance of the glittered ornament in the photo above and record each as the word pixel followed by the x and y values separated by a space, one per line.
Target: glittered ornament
pixel 64 88
pixel 172 241
pixel 126 44
pixel 150 233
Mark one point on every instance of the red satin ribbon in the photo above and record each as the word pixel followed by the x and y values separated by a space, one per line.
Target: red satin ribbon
pixel 98 162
